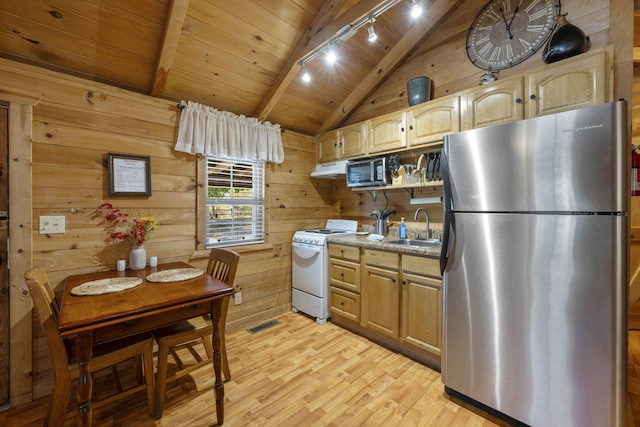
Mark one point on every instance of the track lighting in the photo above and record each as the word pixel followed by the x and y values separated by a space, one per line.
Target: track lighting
pixel 345 33
pixel 416 9
pixel 372 34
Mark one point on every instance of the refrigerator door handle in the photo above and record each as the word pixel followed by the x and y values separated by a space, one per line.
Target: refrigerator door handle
pixel 448 225
pixel 449 229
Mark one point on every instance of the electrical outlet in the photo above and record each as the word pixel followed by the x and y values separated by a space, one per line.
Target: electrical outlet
pixel 237 298
pixel 51 224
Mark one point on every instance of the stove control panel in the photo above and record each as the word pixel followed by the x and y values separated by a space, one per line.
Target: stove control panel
pixel 308 239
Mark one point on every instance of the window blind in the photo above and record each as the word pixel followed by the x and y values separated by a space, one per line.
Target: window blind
pixel 234 202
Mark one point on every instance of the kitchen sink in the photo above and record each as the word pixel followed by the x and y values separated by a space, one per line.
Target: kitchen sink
pixel 416 242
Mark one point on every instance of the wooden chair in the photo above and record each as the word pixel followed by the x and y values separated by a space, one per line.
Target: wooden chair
pixel 222 265
pixel 65 370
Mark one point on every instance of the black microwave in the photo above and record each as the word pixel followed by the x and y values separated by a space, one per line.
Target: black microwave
pixel 367 173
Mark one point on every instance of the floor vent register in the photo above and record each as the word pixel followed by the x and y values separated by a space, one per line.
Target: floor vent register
pixel 263 326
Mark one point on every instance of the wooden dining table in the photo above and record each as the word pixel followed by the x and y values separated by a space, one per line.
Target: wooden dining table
pixel 100 318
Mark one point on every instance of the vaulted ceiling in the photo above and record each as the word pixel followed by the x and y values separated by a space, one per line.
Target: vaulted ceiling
pixel 240 56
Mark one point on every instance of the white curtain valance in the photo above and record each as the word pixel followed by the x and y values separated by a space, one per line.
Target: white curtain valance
pixel 205 130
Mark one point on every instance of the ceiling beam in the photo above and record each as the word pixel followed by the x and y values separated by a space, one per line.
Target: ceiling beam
pixel 432 16
pixel 172 30
pixel 323 27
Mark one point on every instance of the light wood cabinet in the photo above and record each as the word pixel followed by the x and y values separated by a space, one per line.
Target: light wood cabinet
pixel 328 150
pixel 381 292
pixel 429 122
pixel 573 83
pixel 344 281
pixel 352 140
pixel 421 324
pixel 389 297
pixel 576 82
pixel 492 104
pixel 344 143
pixel 387 133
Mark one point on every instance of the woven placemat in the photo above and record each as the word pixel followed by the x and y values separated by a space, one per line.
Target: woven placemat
pixel 174 275
pixel 106 286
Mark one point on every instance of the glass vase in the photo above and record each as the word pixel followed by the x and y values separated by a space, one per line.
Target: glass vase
pixel 137 258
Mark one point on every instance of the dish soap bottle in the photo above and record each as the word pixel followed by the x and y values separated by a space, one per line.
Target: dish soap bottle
pixel 402 230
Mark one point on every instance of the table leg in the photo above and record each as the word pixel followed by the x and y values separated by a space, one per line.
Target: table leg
pixel 84 390
pixel 216 312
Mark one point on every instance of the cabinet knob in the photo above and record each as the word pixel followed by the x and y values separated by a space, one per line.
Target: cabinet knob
pixel 518 101
pixel 532 96
pixel 342 303
pixel 393 280
pixel 401 129
pixel 341 274
pixel 411 127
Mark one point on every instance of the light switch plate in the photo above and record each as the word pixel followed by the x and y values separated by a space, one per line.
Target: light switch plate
pixel 51 225
pixel 237 298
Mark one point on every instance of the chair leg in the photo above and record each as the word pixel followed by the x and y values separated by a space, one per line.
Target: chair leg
pixel 148 375
pixel 161 378
pixel 225 361
pixel 58 403
pixel 223 347
pixel 208 348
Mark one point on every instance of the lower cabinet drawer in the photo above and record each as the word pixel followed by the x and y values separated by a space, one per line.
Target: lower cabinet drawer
pixel 345 303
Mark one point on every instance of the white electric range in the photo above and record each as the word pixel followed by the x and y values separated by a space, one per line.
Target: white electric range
pixel 310 267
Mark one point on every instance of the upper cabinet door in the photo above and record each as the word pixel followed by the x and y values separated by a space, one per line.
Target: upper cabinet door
pixel 492 104
pixel 387 133
pixel 575 83
pixel 431 121
pixel 328 149
pixel 352 140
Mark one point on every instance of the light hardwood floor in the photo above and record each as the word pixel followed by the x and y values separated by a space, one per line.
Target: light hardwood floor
pixel 299 373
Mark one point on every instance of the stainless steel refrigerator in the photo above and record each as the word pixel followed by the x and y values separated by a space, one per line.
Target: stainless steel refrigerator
pixel 534 267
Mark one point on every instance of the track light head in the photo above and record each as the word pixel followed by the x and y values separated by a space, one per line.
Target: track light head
pixel 372 34
pixel 416 9
pixel 331 55
pixel 306 77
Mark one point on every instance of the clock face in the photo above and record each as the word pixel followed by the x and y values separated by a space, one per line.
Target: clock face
pixel 506 32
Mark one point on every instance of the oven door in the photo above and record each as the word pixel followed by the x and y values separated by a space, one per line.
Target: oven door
pixel 308 269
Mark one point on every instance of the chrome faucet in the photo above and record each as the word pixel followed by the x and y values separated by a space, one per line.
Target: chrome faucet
pixel 426 215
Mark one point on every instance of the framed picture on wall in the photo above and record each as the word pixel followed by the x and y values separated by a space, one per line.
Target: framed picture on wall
pixel 129 175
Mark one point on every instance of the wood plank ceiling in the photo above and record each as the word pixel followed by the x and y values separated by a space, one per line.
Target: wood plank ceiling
pixel 240 56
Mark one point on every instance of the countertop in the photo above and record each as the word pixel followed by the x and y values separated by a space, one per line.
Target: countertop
pixel 384 245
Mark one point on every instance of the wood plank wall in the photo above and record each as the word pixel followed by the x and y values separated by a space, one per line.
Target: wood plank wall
pixel 76 123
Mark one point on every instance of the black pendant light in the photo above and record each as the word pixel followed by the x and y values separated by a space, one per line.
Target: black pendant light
pixel 566 41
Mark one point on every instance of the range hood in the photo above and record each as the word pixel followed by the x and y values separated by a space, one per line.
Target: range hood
pixel 330 170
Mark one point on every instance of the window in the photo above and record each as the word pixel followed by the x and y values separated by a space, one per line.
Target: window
pixel 234 205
